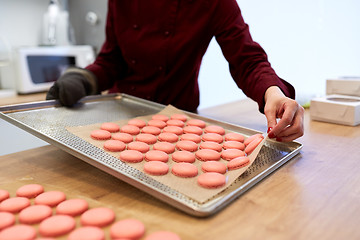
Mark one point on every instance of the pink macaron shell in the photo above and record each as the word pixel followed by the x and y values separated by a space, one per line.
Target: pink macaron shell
pixel 137 122
pixel 165 147
pixel 146 138
pixel 211 145
pixel 233 136
pixel 72 207
pixel 114 145
pixel 45 238
pixel 34 214
pixel 196 122
pixel 50 198
pixel 179 116
pixel 29 190
pixel 214 129
pixel 99 134
pixel 124 137
pixel 156 155
pixel 163 235
pixel 7 219
pixel 175 122
pixel 161 117
pixel 191 137
pixel 157 123
pixel 18 232
pixel 193 129
pixel 252 137
pixel 14 204
pixel 130 129
pixel 207 155
pixel 213 137
pixel 138 146
pixel 184 169
pixel 98 217
pixel 110 126
pixel 156 168
pixel 168 137
pixel 127 229
pixel 252 145
pixel 173 129
pixel 234 145
pixel 213 166
pixel 211 180
pixel 183 156
pixel 151 130
pixel 88 233
pixel 4 195
pixel 186 145
pixel 230 154
pixel 57 225
pixel 131 156
pixel 238 162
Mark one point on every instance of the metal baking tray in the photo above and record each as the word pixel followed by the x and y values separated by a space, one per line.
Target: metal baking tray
pixel 48 120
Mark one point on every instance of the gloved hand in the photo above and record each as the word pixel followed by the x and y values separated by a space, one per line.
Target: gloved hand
pixel 73 85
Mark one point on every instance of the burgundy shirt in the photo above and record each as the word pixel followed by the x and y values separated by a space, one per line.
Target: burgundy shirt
pixel 153 50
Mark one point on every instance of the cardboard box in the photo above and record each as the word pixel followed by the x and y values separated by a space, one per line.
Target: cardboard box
pixel 343 86
pixel 338 109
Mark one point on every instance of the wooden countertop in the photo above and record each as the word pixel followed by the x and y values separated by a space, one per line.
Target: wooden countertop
pixel 314 196
pixel 17 99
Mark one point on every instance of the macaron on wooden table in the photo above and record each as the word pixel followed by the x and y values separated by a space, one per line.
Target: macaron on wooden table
pixel 313 196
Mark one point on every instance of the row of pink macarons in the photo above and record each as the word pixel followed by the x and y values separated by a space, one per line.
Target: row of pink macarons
pixel 177 123
pixel 213 171
pixel 52 226
pixel 185 142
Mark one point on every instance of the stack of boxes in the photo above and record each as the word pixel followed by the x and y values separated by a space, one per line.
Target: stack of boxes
pixel 341 104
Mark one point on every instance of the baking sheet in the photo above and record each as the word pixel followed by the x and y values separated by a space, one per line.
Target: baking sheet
pixel 187 186
pixel 48 121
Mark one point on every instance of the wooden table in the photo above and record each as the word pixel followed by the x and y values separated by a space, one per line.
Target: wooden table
pixel 314 196
pixel 17 99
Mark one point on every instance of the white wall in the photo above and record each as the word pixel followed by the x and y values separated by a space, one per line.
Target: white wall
pixel 20 21
pixel 306 41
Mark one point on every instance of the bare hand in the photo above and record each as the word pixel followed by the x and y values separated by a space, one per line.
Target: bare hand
pixel 290 114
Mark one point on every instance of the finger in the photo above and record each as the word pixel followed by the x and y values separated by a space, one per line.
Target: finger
pixel 270 114
pixel 286 119
pixel 290 132
pixel 289 138
pixel 295 130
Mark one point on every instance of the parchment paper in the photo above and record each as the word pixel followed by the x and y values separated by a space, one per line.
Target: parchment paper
pixel 186 186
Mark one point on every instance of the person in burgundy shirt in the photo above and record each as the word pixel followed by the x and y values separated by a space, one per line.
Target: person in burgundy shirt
pixel 153 50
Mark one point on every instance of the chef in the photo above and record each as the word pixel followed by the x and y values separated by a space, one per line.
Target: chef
pixel 153 50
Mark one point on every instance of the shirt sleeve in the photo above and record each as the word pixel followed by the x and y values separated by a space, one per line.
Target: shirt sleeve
pixel 248 63
pixel 109 64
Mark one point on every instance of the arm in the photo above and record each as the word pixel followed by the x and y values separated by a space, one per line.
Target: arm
pixel 248 63
pixel 253 73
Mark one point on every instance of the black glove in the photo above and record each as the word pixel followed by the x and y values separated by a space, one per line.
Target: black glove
pixel 73 85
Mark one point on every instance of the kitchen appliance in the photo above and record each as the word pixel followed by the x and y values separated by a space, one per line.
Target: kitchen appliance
pixel 35 69
pixel 56 28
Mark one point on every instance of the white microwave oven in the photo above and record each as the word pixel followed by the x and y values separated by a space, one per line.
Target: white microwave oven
pixel 35 69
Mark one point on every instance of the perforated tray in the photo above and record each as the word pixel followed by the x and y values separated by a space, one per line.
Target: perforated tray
pixel 48 120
